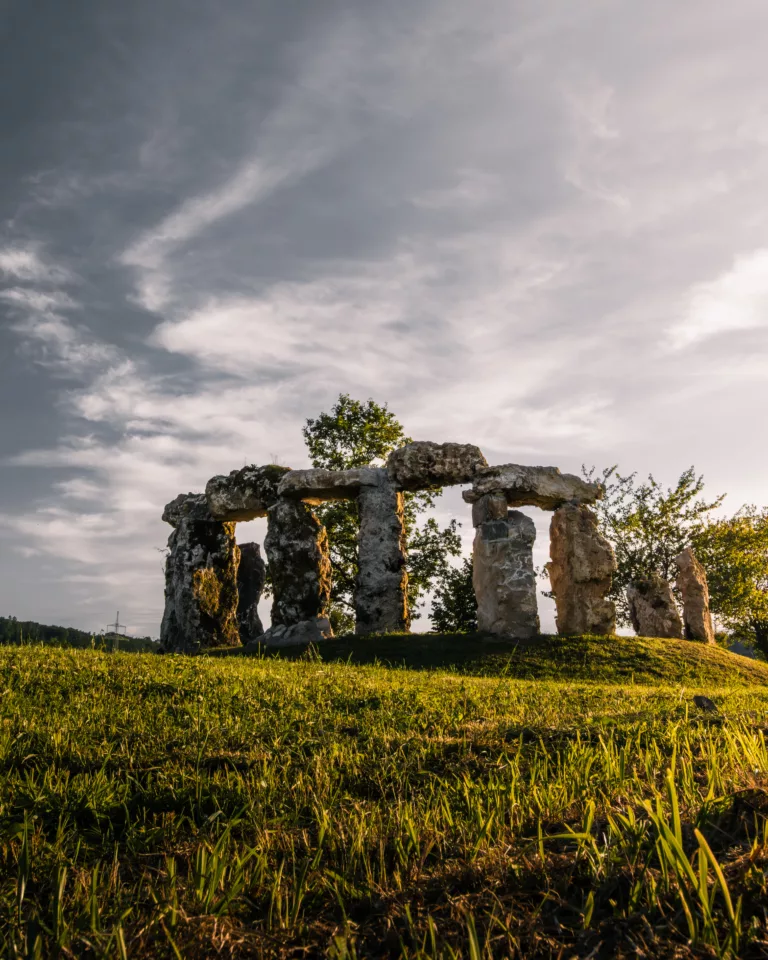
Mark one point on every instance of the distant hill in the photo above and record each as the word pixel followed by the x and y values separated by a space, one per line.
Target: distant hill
pixel 17 632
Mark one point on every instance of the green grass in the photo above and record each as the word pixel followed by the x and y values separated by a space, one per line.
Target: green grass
pixel 238 807
pixel 637 660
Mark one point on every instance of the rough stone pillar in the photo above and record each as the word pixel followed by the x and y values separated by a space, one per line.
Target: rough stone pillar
pixel 200 579
pixel 300 568
pixel 381 594
pixel 580 572
pixel 653 610
pixel 503 574
pixel 251 576
pixel 692 584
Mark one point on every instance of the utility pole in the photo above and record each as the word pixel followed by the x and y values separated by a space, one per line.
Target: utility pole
pixel 115 629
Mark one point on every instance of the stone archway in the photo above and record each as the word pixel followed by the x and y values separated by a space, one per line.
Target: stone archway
pixel 297 549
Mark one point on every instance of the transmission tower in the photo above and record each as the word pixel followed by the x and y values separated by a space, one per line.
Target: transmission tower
pixel 116 626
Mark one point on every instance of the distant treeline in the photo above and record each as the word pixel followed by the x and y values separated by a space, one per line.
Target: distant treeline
pixel 13 631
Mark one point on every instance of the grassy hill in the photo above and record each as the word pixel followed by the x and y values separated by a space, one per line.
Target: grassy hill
pixel 603 659
pixel 268 807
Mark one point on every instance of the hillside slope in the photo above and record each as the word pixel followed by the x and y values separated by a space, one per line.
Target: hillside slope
pixel 192 807
pixel 639 660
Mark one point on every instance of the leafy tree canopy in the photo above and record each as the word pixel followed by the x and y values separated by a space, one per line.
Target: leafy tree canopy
pixel 734 552
pixel 648 525
pixel 359 434
pixel 455 608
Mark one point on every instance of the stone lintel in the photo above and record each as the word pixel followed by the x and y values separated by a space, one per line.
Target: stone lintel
pixel 244 494
pixel 187 506
pixel 422 464
pixel 315 486
pixel 544 487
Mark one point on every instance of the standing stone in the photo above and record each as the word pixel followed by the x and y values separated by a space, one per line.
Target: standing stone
pixel 692 584
pixel 200 579
pixel 300 568
pixel 653 610
pixel 251 576
pixel 381 594
pixel 580 571
pixel 503 574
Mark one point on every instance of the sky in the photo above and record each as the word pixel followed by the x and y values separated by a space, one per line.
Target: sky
pixel 540 228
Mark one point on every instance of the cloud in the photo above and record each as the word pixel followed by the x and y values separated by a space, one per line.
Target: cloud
pixel 736 300
pixel 25 264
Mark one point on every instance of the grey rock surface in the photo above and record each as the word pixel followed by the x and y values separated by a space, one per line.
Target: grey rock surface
pixel 251 577
pixel 244 494
pixel 200 580
pixel 423 464
pixel 192 506
pixel 580 572
pixel 692 584
pixel 295 635
pixel 299 565
pixel 504 578
pixel 381 592
pixel 493 506
pixel 316 486
pixel 653 610
pixel 543 487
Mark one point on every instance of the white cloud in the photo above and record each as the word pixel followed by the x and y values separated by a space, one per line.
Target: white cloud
pixel 736 300
pixel 25 264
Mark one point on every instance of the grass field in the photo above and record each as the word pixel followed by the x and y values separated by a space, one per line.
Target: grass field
pixel 194 807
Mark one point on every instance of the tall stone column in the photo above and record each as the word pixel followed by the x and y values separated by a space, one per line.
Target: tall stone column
pixel 692 583
pixel 200 579
pixel 251 576
pixel 503 574
pixel 299 565
pixel 381 595
pixel 580 571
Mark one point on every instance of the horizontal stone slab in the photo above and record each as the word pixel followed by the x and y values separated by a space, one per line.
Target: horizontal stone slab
pixel 543 487
pixel 244 494
pixel 187 506
pixel 423 464
pixel 317 485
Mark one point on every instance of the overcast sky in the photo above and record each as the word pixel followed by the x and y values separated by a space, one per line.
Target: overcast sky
pixel 539 227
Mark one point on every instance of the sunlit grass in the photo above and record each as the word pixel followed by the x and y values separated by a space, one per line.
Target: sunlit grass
pixel 189 807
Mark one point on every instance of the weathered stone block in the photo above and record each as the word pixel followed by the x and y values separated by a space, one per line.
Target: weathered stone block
pixel 190 506
pixel 251 576
pixel 244 494
pixel 381 594
pixel 300 568
pixel 543 487
pixel 580 571
pixel 692 584
pixel 504 578
pixel 653 610
pixel 317 486
pixel 420 465
pixel 200 580
pixel 491 507
pixel 296 635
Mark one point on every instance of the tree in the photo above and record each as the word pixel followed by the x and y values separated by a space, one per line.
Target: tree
pixel 734 553
pixel 649 526
pixel 455 607
pixel 360 434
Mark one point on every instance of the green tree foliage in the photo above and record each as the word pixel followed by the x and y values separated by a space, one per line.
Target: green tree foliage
pixel 455 607
pixel 648 525
pixel 734 552
pixel 360 434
